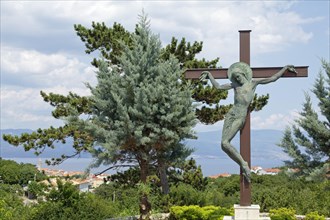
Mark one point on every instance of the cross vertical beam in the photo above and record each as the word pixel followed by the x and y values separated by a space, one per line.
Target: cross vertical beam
pixel 245 133
pixel 258 72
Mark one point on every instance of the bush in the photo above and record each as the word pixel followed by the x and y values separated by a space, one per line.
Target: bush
pixel 184 194
pixel 14 173
pixel 314 216
pixel 282 214
pixel 11 203
pixel 198 213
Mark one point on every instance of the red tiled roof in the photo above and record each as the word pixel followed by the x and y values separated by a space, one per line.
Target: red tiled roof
pixel 272 170
pixel 220 175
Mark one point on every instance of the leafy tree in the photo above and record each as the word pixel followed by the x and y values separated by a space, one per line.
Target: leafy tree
pixel 184 194
pixel 307 142
pixel 128 178
pixel 11 202
pixel 193 175
pixel 14 173
pixel 66 202
pixel 37 189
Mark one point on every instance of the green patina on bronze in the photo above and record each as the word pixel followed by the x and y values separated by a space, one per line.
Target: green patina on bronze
pixel 240 74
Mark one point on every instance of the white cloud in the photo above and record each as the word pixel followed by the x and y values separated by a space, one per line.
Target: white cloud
pixel 275 121
pixel 24 108
pixel 25 72
pixel 35 69
pixel 275 25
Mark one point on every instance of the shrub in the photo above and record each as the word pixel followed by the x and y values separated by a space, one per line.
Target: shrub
pixel 282 214
pixel 314 216
pixel 184 194
pixel 198 213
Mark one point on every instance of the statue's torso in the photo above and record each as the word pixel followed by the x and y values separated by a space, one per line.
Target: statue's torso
pixel 244 95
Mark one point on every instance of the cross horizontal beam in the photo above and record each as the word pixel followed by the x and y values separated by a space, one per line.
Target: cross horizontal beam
pixel 258 72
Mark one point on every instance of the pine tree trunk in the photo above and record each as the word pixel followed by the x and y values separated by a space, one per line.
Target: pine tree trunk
pixel 145 206
pixel 163 176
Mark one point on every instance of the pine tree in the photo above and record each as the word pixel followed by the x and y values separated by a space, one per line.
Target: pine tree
pixel 140 110
pixel 107 40
pixel 307 142
pixel 193 175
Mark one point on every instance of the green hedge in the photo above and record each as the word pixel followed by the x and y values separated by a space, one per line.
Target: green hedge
pixel 282 214
pixel 314 216
pixel 289 214
pixel 194 212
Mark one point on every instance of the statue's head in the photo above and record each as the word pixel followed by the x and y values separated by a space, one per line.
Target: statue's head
pixel 239 68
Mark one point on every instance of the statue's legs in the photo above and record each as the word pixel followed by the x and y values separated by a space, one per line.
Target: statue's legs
pixel 231 126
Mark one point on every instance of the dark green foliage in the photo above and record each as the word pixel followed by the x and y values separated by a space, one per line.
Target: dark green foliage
pixel 186 53
pixel 128 178
pixel 11 203
pixel 228 186
pixel 193 175
pixel 307 142
pixel 184 194
pixel 41 139
pixel 274 192
pixel 14 173
pixel 106 191
pixel 212 115
pixel 67 202
pixel 223 192
pixel 37 189
pixel 113 200
pixel 49 137
pixel 259 102
pixel 124 199
pixel 67 105
pixel 108 40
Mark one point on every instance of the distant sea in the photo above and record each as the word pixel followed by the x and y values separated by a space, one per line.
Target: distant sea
pixel 210 166
pixel 207 152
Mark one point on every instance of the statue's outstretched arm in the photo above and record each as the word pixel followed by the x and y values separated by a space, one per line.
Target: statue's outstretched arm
pixel 207 74
pixel 276 76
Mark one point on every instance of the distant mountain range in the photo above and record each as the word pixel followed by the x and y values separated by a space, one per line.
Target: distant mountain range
pixel 208 153
pixel 207 146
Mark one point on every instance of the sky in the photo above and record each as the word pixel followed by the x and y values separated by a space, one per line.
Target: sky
pixel 41 51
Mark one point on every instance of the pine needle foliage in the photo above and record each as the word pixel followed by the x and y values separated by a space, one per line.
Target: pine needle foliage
pixel 139 107
pixel 307 142
pixel 108 41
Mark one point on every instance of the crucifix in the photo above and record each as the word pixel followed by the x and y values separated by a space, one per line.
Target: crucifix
pixel 261 72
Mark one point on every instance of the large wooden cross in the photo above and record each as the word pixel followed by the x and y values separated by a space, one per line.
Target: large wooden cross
pixel 260 72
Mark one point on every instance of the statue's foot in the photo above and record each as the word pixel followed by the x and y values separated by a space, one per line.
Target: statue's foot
pixel 246 172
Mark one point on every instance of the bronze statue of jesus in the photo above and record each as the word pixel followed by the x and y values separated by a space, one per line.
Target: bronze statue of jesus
pixel 240 74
